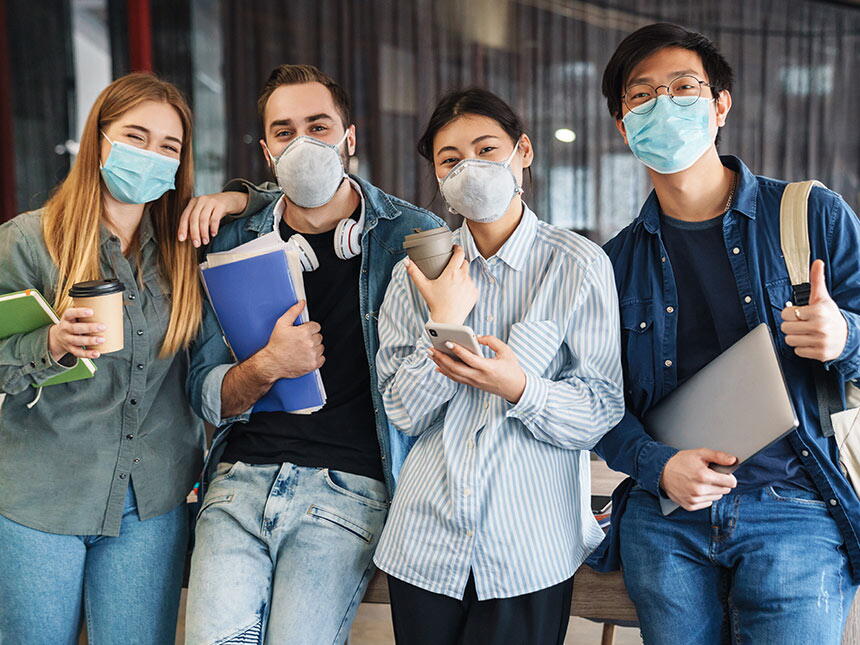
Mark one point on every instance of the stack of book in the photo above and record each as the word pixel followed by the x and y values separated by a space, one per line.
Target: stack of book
pixel 250 287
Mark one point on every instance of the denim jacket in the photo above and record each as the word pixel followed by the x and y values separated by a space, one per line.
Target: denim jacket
pixel 387 221
pixel 648 300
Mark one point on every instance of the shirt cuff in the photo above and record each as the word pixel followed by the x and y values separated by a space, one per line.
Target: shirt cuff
pixel 37 362
pixel 211 399
pixel 650 463
pixel 533 399
pixel 848 362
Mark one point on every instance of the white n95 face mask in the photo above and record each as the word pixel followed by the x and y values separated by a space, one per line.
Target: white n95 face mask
pixel 480 190
pixel 310 171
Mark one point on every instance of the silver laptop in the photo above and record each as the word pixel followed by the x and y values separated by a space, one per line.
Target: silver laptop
pixel 738 403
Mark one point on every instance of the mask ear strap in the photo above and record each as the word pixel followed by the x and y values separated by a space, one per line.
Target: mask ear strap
pixel 513 152
pixel 106 137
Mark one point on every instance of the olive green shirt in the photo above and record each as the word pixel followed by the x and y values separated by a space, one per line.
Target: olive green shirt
pixel 66 463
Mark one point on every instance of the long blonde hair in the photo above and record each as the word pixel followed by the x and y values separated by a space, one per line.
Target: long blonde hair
pixel 73 216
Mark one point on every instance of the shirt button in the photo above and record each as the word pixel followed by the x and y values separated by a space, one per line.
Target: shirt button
pixel 133 401
pixel 643 325
pixel 467 492
pixel 44 360
pixel 833 502
pixel 136 460
pixel 805 453
pixel 140 366
pixel 140 332
pixel 663 259
pixel 668 363
pixel 487 405
pixel 736 250
pixel 129 436
pixel 747 300
pixel 32 364
pixel 122 475
pixel 491 317
pixel 469 533
pixel 131 296
pixel 670 309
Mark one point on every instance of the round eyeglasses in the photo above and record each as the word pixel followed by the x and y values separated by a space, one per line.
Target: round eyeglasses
pixel 684 91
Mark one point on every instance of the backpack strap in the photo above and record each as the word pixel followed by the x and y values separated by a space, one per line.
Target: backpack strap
pixel 794 239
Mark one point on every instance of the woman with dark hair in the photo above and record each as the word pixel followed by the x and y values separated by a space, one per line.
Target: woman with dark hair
pixel 491 517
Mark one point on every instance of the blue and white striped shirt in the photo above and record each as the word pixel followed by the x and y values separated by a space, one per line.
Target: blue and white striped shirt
pixel 499 489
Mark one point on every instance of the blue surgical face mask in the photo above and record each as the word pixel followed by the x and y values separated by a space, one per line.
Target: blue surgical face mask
pixel 671 137
pixel 137 176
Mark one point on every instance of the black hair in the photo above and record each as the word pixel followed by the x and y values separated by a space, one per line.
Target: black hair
pixel 645 41
pixel 474 100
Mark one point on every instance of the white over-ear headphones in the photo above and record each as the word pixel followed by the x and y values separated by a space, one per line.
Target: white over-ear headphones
pixel 347 236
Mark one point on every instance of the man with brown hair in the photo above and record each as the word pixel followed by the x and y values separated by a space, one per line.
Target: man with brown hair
pixel 296 502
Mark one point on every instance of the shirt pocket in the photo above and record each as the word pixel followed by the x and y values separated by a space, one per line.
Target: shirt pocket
pixel 778 294
pixel 637 352
pixel 158 291
pixel 536 344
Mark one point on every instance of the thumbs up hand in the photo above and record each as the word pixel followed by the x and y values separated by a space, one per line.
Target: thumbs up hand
pixel 818 330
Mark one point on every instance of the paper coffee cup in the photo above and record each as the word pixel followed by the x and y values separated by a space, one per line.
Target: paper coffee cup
pixel 104 297
pixel 430 250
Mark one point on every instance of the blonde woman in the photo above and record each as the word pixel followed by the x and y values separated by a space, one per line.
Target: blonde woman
pixel 93 478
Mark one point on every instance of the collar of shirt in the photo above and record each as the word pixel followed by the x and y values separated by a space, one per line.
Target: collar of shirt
pixel 743 202
pixel 515 249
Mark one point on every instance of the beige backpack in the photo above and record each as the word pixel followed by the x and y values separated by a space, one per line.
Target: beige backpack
pixel 842 424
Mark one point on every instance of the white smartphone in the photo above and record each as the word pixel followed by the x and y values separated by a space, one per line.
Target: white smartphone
pixel 441 333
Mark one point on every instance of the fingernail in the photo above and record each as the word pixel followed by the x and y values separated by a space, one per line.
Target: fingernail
pixel 96 354
pixel 88 312
pixel 196 243
pixel 99 341
pixel 429 352
pixel 181 238
pixel 449 344
pixel 101 328
pixel 206 241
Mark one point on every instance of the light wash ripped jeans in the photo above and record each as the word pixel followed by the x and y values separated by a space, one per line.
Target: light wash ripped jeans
pixel 283 554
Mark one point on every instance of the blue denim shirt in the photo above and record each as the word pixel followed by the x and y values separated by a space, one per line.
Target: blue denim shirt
pixel 648 302
pixel 387 221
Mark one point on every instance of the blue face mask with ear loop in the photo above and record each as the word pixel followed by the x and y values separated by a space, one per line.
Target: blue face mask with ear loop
pixel 671 137
pixel 137 176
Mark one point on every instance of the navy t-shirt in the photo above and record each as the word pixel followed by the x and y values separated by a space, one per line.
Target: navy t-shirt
pixel 710 320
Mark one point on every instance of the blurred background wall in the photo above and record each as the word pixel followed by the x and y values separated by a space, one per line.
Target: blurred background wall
pixel 796 96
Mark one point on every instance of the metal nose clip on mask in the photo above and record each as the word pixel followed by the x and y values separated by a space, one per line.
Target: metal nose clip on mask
pixel 480 190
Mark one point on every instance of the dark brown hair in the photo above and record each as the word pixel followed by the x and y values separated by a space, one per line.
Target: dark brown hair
pixel 297 74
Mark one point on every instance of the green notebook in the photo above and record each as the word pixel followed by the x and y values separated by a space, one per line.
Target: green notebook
pixel 24 311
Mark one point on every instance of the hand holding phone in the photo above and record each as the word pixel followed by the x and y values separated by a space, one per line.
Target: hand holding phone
pixel 441 333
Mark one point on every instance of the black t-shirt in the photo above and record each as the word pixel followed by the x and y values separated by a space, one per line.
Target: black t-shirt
pixel 342 435
pixel 710 320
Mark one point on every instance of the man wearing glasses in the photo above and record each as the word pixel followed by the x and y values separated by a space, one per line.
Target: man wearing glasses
pixel 769 554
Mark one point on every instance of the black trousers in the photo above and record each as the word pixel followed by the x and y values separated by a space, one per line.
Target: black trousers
pixel 426 618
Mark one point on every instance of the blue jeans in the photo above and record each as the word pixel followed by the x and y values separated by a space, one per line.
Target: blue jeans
pixel 128 586
pixel 760 566
pixel 283 554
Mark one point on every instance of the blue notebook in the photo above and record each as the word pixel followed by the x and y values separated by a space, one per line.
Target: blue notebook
pixel 248 297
